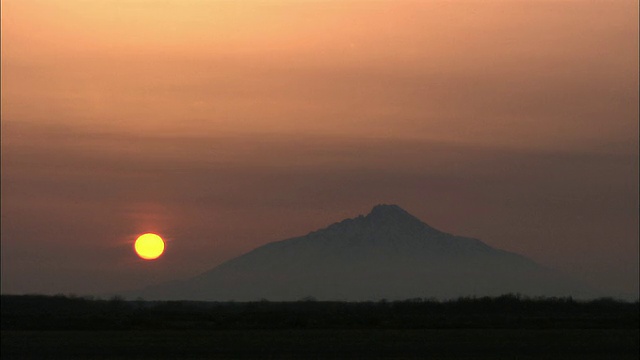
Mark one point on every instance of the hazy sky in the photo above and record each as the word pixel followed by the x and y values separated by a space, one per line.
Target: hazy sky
pixel 224 125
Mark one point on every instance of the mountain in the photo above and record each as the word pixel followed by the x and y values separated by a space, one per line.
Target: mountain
pixel 387 254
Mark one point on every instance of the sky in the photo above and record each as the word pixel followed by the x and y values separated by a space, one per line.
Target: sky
pixel 225 125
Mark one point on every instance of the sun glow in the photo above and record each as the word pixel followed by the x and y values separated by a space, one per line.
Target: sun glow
pixel 149 246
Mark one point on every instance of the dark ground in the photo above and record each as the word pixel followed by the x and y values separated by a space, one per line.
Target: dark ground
pixel 508 327
pixel 323 344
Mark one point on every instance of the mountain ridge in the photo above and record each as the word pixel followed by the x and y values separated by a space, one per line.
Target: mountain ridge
pixel 387 253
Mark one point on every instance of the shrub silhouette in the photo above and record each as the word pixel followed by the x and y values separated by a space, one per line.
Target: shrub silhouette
pixel 37 312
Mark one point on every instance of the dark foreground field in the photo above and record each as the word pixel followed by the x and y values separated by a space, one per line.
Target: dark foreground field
pixel 508 327
pixel 324 344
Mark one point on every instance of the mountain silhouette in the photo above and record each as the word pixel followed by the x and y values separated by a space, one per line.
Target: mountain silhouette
pixel 387 254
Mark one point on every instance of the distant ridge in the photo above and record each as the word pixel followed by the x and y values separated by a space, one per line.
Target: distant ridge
pixel 387 254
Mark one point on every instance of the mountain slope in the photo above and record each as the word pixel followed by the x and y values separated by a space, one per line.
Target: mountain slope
pixel 387 254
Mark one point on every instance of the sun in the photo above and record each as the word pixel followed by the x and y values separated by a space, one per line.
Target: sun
pixel 149 246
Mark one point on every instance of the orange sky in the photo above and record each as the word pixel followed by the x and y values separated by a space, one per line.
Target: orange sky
pixel 493 119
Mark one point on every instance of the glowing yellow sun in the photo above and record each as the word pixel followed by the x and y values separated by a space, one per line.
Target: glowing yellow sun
pixel 149 246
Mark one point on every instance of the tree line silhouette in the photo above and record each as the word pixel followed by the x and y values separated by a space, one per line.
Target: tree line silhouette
pixel 40 312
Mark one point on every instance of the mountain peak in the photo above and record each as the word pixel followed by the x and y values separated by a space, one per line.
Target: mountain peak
pixel 391 214
pixel 388 210
pixel 388 253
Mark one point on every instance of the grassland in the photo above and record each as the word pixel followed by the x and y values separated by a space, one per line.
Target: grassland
pixel 324 344
pixel 488 328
